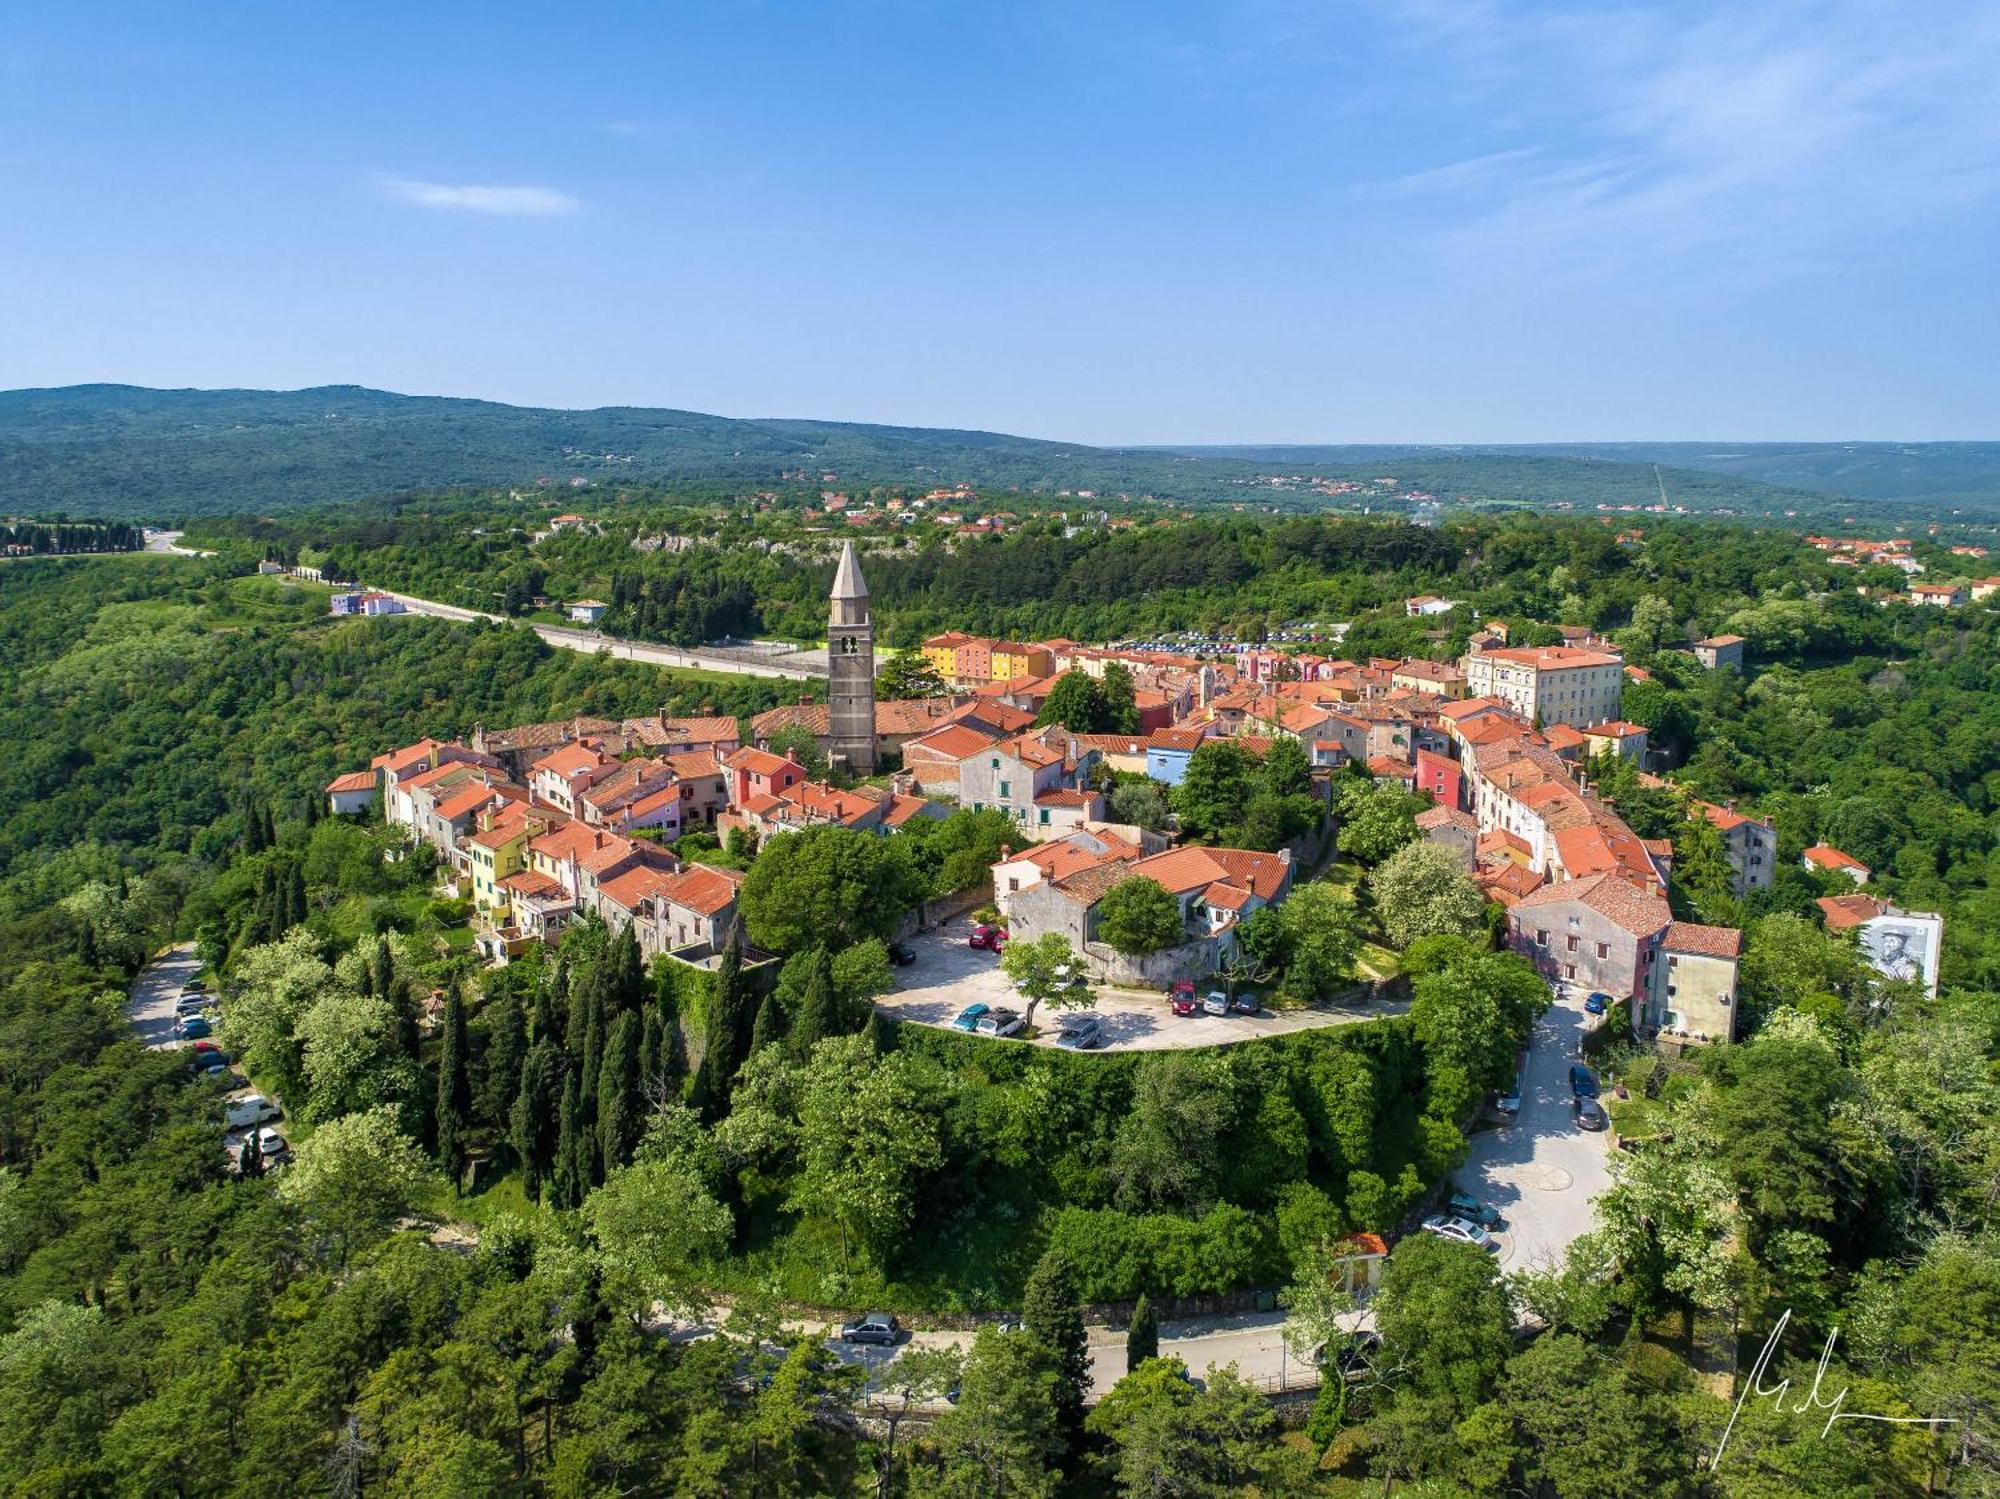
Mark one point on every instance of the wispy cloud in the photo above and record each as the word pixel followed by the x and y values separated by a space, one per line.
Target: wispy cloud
pixel 514 202
pixel 1795 125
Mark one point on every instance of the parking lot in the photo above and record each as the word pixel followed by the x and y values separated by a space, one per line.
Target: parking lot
pixel 151 1011
pixel 1542 1171
pixel 949 974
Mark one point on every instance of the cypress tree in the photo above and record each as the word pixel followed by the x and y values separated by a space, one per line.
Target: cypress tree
pixel 383 968
pixel 254 841
pixel 545 1018
pixel 454 1093
pixel 1052 1313
pixel 270 833
pixel 817 1018
pixel 592 1057
pixel 572 1174
pixel 1142 1338
pixel 251 1162
pixel 403 1004
pixel 724 1037
pixel 628 977
pixel 618 1103
pixel 769 1029
pixel 652 1038
pixel 533 1120
pixel 500 1074
pixel 295 893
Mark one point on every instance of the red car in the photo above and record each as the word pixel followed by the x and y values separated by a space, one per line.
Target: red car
pixel 1182 997
pixel 992 938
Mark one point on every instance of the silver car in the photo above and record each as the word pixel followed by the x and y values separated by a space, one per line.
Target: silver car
pixel 1459 1231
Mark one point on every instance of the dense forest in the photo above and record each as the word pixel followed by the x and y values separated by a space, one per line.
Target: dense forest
pixel 171 454
pixel 515 1193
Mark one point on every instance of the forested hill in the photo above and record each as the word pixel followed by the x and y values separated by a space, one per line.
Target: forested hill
pixel 167 454
pixel 1946 475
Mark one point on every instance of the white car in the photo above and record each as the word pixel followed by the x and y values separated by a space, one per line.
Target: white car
pixel 252 1108
pixel 271 1144
pixel 999 1023
pixel 1459 1231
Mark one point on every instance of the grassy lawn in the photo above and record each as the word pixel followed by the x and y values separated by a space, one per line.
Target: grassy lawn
pixel 1377 959
pixel 501 1199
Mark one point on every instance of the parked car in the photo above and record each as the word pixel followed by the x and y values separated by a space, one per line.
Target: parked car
pixel 207 1045
pixel 877 1327
pixel 1349 1356
pixel 1000 1022
pixel 1588 1115
pixel 1081 1033
pixel 194 986
pixel 1509 1103
pixel 969 1017
pixel 902 954
pixel 1181 997
pixel 1245 1004
pixel 992 938
pixel 1466 1206
pixel 1215 1002
pixel 1582 1081
pixel 272 1144
pixel 252 1108
pixel 1458 1230
pixel 191 1028
pixel 193 1004
pixel 210 1061
pixel 1597 1004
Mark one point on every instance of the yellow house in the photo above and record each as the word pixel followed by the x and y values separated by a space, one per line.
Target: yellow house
pixel 494 852
pixel 1012 662
pixel 941 653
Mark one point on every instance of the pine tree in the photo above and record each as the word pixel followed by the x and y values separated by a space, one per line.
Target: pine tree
pixel 1142 1337
pixel 618 1102
pixel 572 1173
pixel 533 1120
pixel 454 1092
pixel 724 1037
pixel 1052 1313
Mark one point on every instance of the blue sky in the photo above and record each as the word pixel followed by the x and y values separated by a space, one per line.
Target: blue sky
pixel 1412 220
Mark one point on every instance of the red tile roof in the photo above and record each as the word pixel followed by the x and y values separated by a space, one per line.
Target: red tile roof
pixel 1707 941
pixel 1610 895
pixel 1825 856
pixel 357 780
pixel 1844 912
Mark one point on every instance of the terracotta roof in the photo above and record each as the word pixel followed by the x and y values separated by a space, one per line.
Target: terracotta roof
pixel 692 764
pixel 701 888
pixel 1826 856
pixel 1507 882
pixel 530 882
pixel 1089 885
pixel 634 885
pixel 1617 728
pixel 1611 895
pixel 397 761
pixel 1225 897
pixel 1562 736
pixel 720 729
pixel 1724 818
pixel 1474 707
pixel 1551 657
pixel 1429 671
pixel 465 800
pixel 1388 765
pixel 546 735
pixel 902 808
pixel 572 839
pixel 1721 640
pixel 952 742
pixel 1030 750
pixel 1175 739
pixel 355 780
pixel 1108 744
pixel 1432 818
pixel 571 759
pixel 1844 912
pixel 1184 869
pixel 1708 941
pixel 760 762
pixel 1064 797
pixel 1060 858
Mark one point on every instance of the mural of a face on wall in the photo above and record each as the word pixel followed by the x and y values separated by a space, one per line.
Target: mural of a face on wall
pixel 1901 949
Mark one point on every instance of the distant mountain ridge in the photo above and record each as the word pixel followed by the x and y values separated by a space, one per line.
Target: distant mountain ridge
pixel 135 451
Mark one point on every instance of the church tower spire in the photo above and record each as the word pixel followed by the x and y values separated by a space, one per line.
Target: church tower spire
pixel 850 647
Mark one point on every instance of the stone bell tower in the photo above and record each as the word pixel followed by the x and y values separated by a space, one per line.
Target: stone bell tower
pixel 850 648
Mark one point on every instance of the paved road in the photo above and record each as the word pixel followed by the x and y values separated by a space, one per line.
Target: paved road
pixel 1541 1171
pixel 949 974
pixel 591 642
pixel 158 985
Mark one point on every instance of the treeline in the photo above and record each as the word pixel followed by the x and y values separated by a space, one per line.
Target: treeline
pixel 62 538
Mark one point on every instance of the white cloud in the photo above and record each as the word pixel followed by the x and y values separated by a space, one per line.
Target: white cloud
pixel 1795 125
pixel 515 202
